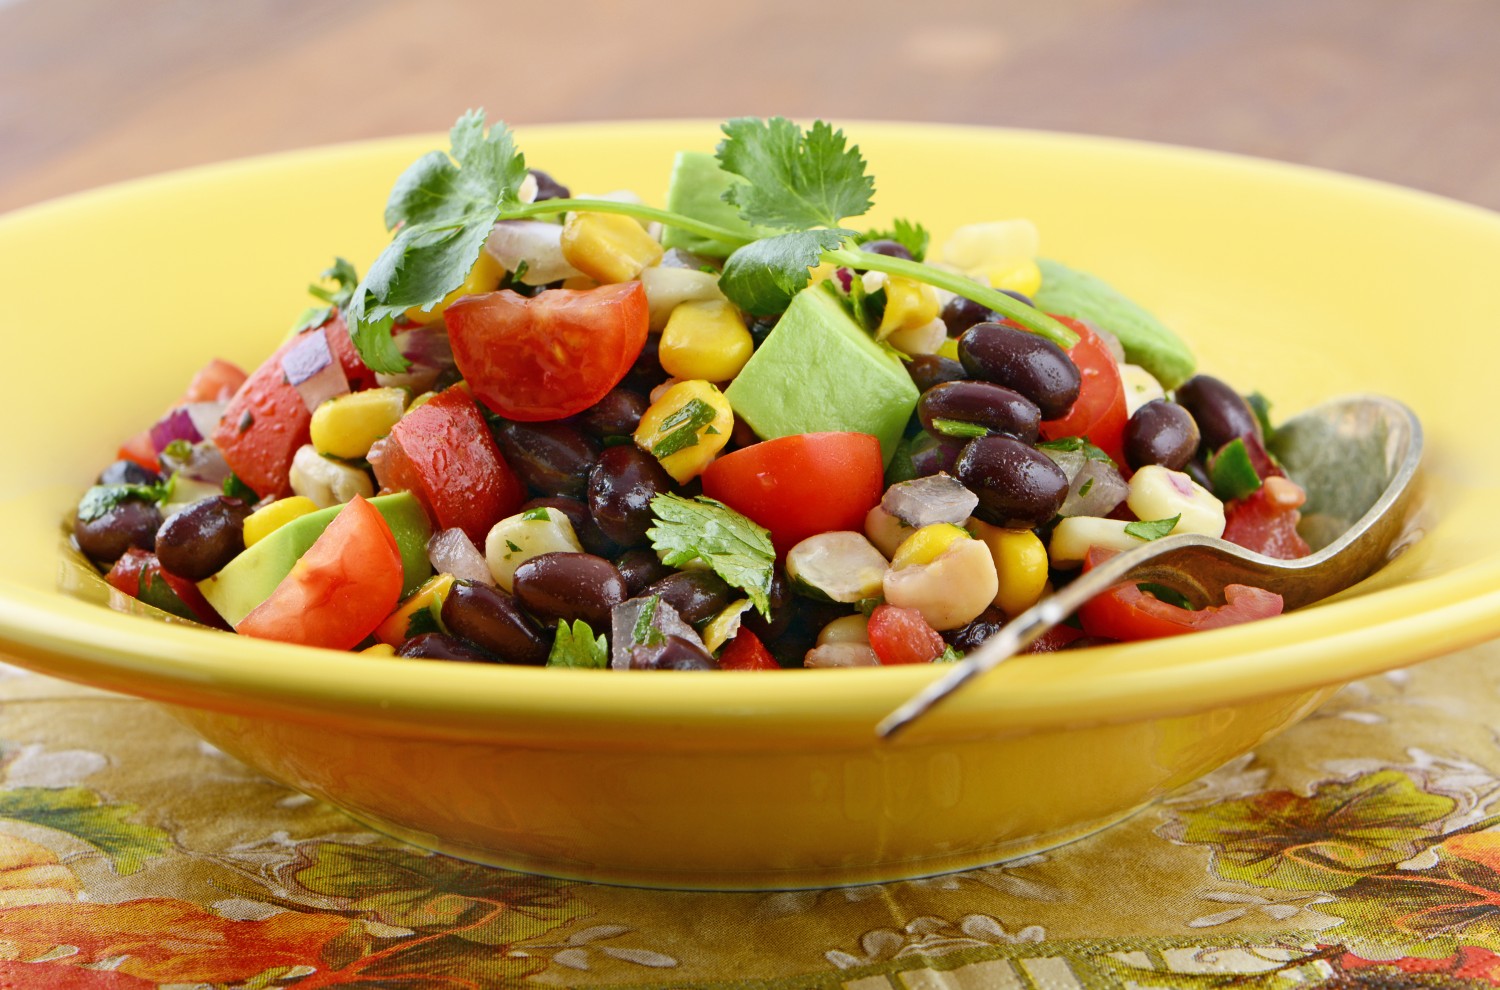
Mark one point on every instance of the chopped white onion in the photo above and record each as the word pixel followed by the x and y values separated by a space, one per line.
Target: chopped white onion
pixel 937 498
pixel 536 243
pixel 311 369
pixel 452 552
pixel 1095 487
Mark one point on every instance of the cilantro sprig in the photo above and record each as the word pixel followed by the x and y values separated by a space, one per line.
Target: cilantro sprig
pixel 802 183
pixel 702 529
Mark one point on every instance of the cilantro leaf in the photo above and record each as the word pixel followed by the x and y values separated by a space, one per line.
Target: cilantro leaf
pixel 680 430
pixel 538 514
pixel 445 205
pixel 735 548
pixel 101 498
pixel 644 632
pixel 762 277
pixel 1231 473
pixel 422 621
pixel 960 429
pixel 235 488
pixel 907 233
pixel 577 646
pixel 1152 529
pixel 1064 444
pixel 796 180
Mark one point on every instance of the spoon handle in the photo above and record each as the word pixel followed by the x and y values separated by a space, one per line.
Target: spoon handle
pixel 1023 630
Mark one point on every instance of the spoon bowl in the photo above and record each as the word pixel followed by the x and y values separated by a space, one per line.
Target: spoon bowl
pixel 1355 457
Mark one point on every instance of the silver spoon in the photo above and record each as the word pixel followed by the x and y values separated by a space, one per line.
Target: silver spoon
pixel 1355 457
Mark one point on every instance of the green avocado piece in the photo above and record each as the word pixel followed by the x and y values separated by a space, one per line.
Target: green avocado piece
pixel 697 190
pixel 249 579
pixel 818 371
pixel 1147 342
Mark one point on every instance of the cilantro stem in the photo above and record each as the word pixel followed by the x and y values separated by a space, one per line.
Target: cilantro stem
pixel 640 211
pixel 1028 316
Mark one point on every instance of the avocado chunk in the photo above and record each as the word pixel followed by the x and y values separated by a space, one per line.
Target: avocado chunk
pixel 818 371
pixel 249 579
pixel 697 190
pixel 1147 342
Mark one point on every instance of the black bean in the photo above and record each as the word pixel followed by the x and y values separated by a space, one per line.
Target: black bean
pixel 548 187
pixel 927 370
pixel 995 407
pixel 615 415
pixel 132 523
pixel 128 473
pixel 570 586
pixel 646 373
pixel 439 646
pixel 1018 485
pixel 959 314
pixel 640 568
pixel 1161 432
pixel 620 489
pixel 491 619
pixel 1220 412
pixel 979 629
pixel 590 536
pixel 780 600
pixel 672 653
pixel 198 541
pixel 887 247
pixel 549 458
pixel 696 595
pixel 932 454
pixel 1024 361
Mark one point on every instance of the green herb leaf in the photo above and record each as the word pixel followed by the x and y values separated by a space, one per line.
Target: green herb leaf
pixel 178 450
pixel 680 430
pixel 958 428
pixel 910 235
pixel 577 646
pixel 762 277
pixel 1261 406
pixel 345 278
pixel 950 654
pixel 422 621
pixel 101 498
pixel 735 548
pixel 867 605
pixel 539 514
pixel 445 205
pixel 1153 529
pixel 797 180
pixel 235 488
pixel 1075 443
pixel 1231 473
pixel 645 633
pixel 1085 487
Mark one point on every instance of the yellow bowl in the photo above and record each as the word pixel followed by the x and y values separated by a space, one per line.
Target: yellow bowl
pixel 1298 283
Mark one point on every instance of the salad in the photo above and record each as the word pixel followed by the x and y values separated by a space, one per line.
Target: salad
pixel 733 433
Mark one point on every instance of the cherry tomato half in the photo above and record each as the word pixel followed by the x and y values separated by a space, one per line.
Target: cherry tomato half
pixel 901 635
pixel 802 484
pixel 747 652
pixel 551 355
pixel 1099 414
pixel 1128 613
pixel 337 592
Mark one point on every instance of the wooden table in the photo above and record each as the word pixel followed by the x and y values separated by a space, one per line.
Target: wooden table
pixel 93 91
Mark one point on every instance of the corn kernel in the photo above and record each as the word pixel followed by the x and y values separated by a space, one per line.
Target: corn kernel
pixel 1017 275
pixel 381 650
pixel 909 304
pixel 269 518
pixel 979 245
pixel 485 276
pixel 949 349
pixel 1020 565
pixel 608 247
pixel 347 425
pixel 927 544
pixel 706 340
pixel 430 596
pixel 686 428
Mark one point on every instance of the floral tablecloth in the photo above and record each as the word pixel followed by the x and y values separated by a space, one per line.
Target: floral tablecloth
pixel 1360 849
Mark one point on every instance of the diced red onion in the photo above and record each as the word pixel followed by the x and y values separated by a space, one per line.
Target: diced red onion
pixel 177 424
pixel 206 415
pixel 845 277
pixel 312 370
pixel 430 354
pixel 377 459
pixel 452 552
pixel 204 463
pixel 938 498
pixel 1095 487
pixel 623 619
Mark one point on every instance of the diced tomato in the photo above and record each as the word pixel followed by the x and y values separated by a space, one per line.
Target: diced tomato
pixel 1099 414
pixel 218 380
pixel 1054 639
pixel 747 652
pixel 901 635
pixel 1128 613
pixel 800 485
pixel 551 355
pixel 443 453
pixel 339 590
pixel 267 419
pixel 140 449
pixel 139 574
pixel 1258 523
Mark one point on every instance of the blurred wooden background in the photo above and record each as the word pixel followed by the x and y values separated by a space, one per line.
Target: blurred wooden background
pixel 94 91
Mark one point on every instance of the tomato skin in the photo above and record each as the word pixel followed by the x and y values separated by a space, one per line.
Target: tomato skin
pixel 136 571
pixel 216 381
pixel 267 419
pixel 140 449
pixel 344 586
pixel 1099 413
pixel 551 355
pixel 1256 523
pixel 1127 613
pixel 747 652
pixel 800 485
pixel 443 453
pixel 901 635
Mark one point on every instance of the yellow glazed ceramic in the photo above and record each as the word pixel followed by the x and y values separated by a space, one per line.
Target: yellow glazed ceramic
pixel 1301 284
